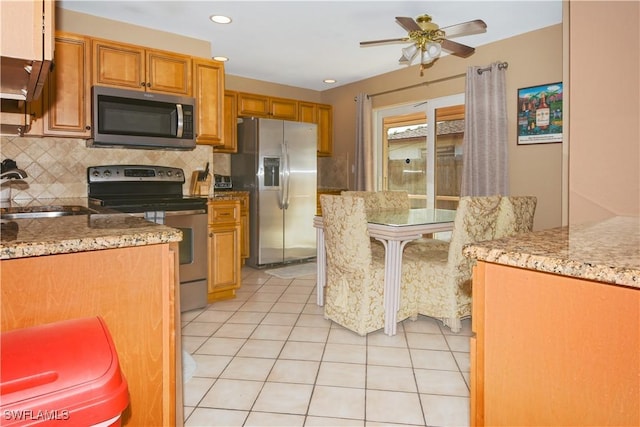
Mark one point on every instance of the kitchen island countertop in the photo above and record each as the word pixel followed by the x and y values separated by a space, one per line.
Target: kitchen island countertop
pixel 21 238
pixel 607 251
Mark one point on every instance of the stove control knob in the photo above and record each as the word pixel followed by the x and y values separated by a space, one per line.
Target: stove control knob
pixel 179 174
pixel 95 173
pixel 107 173
pixel 161 173
pixel 169 173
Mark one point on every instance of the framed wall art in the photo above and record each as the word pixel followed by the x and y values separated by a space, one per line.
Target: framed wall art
pixel 540 114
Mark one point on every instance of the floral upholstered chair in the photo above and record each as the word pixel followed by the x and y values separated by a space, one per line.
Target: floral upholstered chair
pixel 516 215
pixel 355 269
pixel 445 289
pixel 380 200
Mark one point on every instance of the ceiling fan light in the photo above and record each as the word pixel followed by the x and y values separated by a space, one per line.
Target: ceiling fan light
pixel 409 52
pixel 434 49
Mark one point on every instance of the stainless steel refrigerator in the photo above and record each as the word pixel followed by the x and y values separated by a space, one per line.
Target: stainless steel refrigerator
pixel 276 163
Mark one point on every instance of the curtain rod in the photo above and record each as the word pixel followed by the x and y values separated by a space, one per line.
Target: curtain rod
pixel 418 85
pixel 501 66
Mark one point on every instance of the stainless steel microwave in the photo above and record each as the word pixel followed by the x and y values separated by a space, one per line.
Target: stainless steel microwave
pixel 133 119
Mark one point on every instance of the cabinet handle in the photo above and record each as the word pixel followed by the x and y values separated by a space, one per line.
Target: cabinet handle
pixel 148 84
pixel 142 84
pixel 210 234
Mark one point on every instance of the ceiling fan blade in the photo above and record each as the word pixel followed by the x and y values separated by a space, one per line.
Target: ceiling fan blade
pixel 457 49
pixel 377 42
pixel 466 28
pixel 409 24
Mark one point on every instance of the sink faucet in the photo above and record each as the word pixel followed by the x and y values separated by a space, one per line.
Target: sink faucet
pixel 14 174
pixel 9 170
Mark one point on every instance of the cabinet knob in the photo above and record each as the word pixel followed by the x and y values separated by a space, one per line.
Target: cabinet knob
pixel 210 234
pixel 148 84
pixel 87 127
pixel 142 84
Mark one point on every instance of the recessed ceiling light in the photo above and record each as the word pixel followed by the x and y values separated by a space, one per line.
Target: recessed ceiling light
pixel 329 80
pixel 220 58
pixel 220 19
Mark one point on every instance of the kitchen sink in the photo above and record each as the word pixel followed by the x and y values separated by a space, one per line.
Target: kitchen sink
pixel 50 211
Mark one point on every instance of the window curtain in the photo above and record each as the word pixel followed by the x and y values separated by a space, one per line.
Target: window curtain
pixel 485 166
pixel 364 145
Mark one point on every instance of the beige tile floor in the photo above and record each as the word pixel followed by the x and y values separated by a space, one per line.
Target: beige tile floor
pixel 269 358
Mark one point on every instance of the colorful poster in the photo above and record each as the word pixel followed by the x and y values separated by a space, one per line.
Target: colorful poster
pixel 540 114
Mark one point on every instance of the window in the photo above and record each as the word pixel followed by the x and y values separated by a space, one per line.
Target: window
pixel 424 160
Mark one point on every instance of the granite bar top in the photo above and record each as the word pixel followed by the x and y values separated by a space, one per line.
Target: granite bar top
pixel 21 238
pixel 228 195
pixel 606 251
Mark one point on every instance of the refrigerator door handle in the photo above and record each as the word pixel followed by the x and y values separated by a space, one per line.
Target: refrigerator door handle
pixel 287 174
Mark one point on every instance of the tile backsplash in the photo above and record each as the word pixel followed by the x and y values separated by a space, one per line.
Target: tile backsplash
pixel 57 167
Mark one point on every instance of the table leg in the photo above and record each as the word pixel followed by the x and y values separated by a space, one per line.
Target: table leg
pixel 392 280
pixel 321 269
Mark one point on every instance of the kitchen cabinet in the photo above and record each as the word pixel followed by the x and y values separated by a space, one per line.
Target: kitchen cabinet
pixel 325 130
pixel 224 244
pixel 553 350
pixel 134 289
pixel 138 68
pixel 230 132
pixel 65 109
pixel 243 198
pixel 31 44
pixel 208 90
pixel 253 105
pixel 322 115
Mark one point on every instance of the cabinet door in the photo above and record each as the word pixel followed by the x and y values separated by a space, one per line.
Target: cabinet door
pixel 67 97
pixel 208 85
pixel 168 72
pixel 224 250
pixel 285 109
pixel 118 64
pixel 307 112
pixel 253 105
pixel 325 130
pixel 229 136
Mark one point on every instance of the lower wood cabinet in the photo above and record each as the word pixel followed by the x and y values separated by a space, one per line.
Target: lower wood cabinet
pixel 224 244
pixel 134 289
pixel 553 350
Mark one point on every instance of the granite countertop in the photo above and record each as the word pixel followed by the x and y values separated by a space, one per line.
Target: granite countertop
pixel 228 195
pixel 606 251
pixel 21 238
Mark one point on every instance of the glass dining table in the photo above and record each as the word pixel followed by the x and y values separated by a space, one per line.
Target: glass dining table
pixel 394 228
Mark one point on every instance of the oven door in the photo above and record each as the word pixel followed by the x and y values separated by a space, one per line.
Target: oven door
pixel 193 257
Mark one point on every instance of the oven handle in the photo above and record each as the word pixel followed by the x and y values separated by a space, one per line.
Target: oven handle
pixel 191 212
pixel 171 213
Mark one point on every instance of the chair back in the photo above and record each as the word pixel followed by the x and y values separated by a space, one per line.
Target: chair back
pixel 380 200
pixel 475 221
pixel 516 215
pixel 346 236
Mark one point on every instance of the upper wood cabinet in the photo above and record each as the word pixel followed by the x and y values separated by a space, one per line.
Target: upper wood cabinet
pixel 66 110
pixel 137 68
pixel 322 115
pixel 230 133
pixel 325 130
pixel 208 90
pixel 253 105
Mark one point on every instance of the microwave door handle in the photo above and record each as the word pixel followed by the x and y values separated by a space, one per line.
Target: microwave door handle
pixel 180 129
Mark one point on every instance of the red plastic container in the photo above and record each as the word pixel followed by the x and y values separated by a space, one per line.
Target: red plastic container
pixel 61 374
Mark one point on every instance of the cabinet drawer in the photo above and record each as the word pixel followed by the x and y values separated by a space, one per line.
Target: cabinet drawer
pixel 226 213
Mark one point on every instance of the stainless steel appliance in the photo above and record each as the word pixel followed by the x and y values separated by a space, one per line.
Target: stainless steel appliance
pixel 156 193
pixel 276 164
pixel 128 118
pixel 222 182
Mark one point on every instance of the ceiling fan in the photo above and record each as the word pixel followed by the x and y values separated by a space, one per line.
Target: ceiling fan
pixel 428 39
